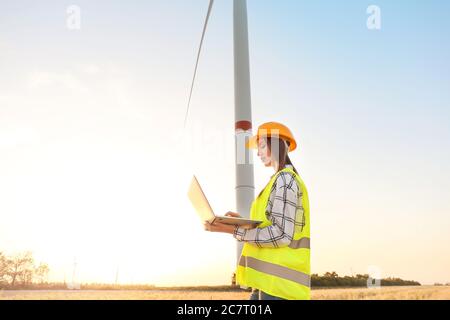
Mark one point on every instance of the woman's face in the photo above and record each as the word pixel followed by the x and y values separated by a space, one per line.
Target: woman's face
pixel 264 152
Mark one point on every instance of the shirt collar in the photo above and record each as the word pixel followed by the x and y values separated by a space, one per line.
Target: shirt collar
pixel 286 166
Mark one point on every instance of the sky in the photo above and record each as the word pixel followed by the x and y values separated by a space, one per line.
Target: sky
pixel 95 162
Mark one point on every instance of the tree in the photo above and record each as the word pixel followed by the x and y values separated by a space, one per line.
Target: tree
pixel 41 272
pixel 333 275
pixel 21 268
pixel 4 267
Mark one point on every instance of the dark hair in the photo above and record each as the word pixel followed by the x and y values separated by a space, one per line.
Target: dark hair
pixel 281 154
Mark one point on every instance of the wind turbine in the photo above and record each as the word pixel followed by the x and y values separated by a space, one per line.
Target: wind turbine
pixel 245 187
pixel 74 269
pixel 73 285
pixel 117 276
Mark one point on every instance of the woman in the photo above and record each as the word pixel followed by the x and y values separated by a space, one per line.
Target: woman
pixel 275 259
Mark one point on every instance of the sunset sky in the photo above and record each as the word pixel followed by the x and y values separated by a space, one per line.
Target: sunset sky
pixel 95 164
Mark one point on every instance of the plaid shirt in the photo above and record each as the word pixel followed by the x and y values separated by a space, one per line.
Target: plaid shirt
pixel 285 211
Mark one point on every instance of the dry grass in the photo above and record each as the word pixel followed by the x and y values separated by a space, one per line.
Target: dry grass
pixel 385 293
pixel 122 295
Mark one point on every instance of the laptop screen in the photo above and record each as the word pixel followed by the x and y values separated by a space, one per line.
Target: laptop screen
pixel 199 201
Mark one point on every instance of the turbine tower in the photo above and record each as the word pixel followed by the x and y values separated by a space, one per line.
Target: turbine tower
pixel 74 270
pixel 245 188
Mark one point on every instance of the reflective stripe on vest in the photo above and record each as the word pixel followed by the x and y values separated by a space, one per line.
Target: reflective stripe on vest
pixel 276 270
pixel 303 243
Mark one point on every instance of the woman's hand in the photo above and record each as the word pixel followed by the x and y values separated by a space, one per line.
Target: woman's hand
pixel 233 214
pixel 219 227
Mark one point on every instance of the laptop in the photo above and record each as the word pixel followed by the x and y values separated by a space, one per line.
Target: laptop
pixel 205 212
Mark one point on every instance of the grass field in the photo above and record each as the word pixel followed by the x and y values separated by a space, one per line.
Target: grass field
pixel 385 293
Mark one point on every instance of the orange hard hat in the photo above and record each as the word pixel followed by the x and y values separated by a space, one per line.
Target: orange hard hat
pixel 273 129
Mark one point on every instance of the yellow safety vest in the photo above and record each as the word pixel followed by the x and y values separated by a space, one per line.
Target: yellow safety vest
pixel 282 272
